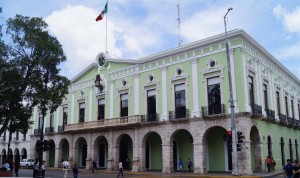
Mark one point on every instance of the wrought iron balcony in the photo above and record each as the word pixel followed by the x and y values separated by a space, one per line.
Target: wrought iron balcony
pixel 282 119
pixel 37 131
pixel 105 123
pixel 179 113
pixel 270 114
pixel 49 130
pixel 60 128
pixel 213 109
pixel 150 117
pixel 292 122
pixel 297 123
pixel 256 109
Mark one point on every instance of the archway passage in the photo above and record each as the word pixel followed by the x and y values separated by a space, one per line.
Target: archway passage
pixel 101 147
pixel 183 149
pixel 23 153
pixel 17 154
pixel 153 152
pixel 81 146
pixel 3 156
pixel 218 156
pixel 64 148
pixel 256 161
pixel 10 154
pixel 126 151
pixel 51 154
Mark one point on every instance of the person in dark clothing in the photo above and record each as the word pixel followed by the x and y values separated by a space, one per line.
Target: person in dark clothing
pixel 34 168
pixel 288 169
pixel 189 163
pixel 296 170
pixel 75 171
pixel 94 164
pixel 17 167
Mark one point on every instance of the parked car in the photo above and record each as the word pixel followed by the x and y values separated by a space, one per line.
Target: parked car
pixel 27 163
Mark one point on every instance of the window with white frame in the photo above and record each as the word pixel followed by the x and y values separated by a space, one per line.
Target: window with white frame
pixel 51 120
pixel 251 90
pixel 124 105
pixel 292 108
pixel 65 116
pixel 151 105
pixel 265 90
pixel 278 103
pixel 214 95
pixel 180 101
pixel 286 106
pixel 101 108
pixel 81 112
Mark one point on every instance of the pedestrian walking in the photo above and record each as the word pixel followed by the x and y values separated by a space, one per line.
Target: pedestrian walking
pixel 17 167
pixel 94 166
pixel 65 166
pixel 75 171
pixel 5 166
pixel 296 170
pixel 189 163
pixel 288 169
pixel 268 163
pixel 43 168
pixel 273 164
pixel 120 169
pixel 180 164
pixel 35 167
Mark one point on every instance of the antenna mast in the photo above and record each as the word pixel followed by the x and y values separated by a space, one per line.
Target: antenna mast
pixel 179 22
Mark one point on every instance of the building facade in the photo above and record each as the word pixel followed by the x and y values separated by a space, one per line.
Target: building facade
pixel 151 112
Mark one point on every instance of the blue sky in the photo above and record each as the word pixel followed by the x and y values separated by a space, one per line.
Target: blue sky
pixel 137 28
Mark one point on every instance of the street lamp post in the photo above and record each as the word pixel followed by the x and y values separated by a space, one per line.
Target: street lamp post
pixel 235 161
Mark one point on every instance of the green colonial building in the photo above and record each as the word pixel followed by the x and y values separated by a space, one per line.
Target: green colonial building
pixel 151 112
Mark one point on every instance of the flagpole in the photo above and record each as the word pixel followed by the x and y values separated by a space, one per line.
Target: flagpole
pixel 106 30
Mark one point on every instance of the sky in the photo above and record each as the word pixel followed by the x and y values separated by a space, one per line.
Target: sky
pixel 138 28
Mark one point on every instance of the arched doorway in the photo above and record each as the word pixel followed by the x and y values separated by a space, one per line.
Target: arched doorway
pixel 282 151
pixel 215 140
pixel 126 151
pixel 81 147
pixel 17 154
pixel 153 151
pixel 269 143
pixel 255 146
pixel 51 154
pixel 183 148
pixel 10 154
pixel 296 148
pixel 291 150
pixel 23 153
pixel 3 156
pixel 101 151
pixel 64 150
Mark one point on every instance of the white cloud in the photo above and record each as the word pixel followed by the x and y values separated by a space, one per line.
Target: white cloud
pixel 289 52
pixel 291 20
pixel 81 36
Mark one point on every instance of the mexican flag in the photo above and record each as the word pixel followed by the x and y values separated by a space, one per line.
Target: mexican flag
pixel 100 17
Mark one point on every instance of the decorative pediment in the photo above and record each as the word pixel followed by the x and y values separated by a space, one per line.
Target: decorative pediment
pixel 250 65
pixel 211 70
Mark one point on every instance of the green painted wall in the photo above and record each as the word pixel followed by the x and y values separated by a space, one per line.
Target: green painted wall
pixel 155 151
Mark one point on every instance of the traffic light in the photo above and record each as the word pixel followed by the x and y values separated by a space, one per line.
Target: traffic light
pixel 38 145
pixel 229 140
pixel 239 140
pixel 46 145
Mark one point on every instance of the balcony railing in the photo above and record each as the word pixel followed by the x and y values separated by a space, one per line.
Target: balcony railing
pixel 179 113
pixel 270 114
pixel 120 121
pixel 49 130
pixel 292 122
pixel 256 109
pixel 60 129
pixel 37 131
pixel 297 123
pixel 213 109
pixel 282 119
pixel 15 139
pixel 150 117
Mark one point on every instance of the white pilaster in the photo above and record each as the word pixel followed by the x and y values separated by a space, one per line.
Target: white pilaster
pixel 271 92
pixel 196 111
pixel 164 94
pixel 257 83
pixel 236 109
pixel 136 95
pixel 91 104
pixel 247 107
pixel 57 118
pixel 73 107
pixel 111 99
pixel 260 90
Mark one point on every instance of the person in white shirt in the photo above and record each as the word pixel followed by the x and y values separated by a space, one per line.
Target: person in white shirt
pixel 120 169
pixel 6 166
pixel 65 166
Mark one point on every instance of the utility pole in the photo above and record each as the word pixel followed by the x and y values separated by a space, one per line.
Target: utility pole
pixel 234 144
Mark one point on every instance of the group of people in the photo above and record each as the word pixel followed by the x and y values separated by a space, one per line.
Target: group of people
pixel 10 165
pixel 36 168
pixel 271 163
pixel 180 165
pixel 292 170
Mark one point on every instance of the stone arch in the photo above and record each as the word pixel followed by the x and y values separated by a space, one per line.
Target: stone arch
pixel 3 155
pixel 17 154
pixel 23 153
pixel 10 154
pixel 101 151
pixel 282 151
pixel 291 150
pixel 215 148
pixel 81 152
pixel 269 146
pixel 51 153
pixel 183 148
pixel 125 150
pixel 256 150
pixel 152 152
pixel 63 148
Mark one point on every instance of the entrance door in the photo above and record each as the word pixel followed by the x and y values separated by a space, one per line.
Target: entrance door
pixel 101 155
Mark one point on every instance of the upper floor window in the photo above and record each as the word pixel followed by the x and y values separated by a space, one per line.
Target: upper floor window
pixel 40 121
pixel 101 109
pixel 278 103
pixel 286 106
pixel 81 112
pixel 65 116
pixel 17 134
pixel 299 109
pixel 4 136
pixel 265 88
pixel 180 101
pixel 292 108
pixel 124 105
pixel 151 105
pixel 51 119
pixel 214 95
pixel 251 90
